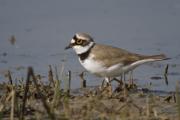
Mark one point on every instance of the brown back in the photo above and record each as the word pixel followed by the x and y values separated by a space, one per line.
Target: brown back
pixel 112 55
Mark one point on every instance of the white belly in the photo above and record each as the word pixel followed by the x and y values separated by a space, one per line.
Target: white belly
pixel 92 66
pixel 97 68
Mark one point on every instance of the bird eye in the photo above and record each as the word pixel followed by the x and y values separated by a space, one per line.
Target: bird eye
pixel 79 41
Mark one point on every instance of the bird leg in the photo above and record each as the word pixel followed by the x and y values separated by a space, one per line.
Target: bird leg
pixel 106 85
pixel 106 80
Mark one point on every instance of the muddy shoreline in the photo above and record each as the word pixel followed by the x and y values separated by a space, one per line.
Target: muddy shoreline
pixel 34 99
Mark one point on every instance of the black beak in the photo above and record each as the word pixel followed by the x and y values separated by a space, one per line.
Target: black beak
pixel 69 46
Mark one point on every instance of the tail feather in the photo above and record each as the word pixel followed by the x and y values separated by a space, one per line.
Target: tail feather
pixel 157 57
pixel 151 58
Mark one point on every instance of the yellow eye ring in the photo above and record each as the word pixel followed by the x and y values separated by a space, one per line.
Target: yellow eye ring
pixel 79 41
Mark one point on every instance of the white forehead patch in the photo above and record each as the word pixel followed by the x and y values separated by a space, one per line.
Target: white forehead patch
pixel 72 41
pixel 82 36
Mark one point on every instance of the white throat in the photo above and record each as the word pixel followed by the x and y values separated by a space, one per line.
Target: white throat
pixel 82 49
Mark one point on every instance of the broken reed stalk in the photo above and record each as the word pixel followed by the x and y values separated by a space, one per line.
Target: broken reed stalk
pixel 57 94
pixel 56 73
pixel 68 83
pixel 4 102
pixel 25 93
pixel 174 97
pixel 12 104
pixel 83 81
pixel 9 77
pixel 17 106
pixel 50 76
pixel 69 80
pixel 165 74
pixel 166 70
pixel 125 91
pixel 43 99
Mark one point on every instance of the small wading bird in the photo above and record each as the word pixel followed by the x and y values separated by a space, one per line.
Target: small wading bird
pixel 107 61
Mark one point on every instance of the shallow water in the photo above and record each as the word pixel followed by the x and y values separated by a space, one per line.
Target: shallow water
pixel 43 28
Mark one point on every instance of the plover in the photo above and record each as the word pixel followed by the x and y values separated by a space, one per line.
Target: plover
pixel 107 61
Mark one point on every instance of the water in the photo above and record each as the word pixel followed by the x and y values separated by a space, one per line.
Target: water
pixel 43 28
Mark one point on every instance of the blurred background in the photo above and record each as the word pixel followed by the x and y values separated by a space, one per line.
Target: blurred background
pixel 34 33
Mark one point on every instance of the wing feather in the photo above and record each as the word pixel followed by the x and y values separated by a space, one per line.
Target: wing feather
pixel 112 55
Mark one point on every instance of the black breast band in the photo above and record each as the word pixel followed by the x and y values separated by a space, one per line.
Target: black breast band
pixel 85 55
